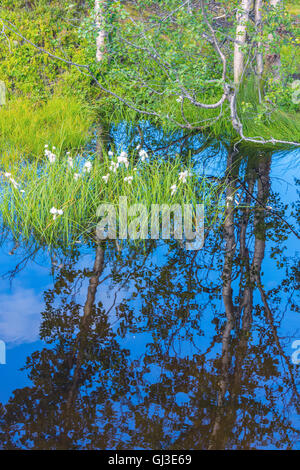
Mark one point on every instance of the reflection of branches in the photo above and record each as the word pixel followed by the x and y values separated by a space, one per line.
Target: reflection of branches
pixel 21 264
pixel 227 396
pixel 232 366
pixel 269 209
pixel 270 319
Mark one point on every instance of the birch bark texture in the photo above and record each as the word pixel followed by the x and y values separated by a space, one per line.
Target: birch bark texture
pixel 258 26
pixel 242 17
pixel 100 6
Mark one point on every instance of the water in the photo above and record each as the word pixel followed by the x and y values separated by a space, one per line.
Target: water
pixel 157 347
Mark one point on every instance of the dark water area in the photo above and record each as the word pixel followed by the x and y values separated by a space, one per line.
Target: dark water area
pixel 156 347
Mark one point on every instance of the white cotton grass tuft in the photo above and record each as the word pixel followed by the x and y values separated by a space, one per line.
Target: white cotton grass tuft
pixel 70 162
pixel 14 183
pixel 143 155
pixel 173 189
pixel 128 179
pixel 11 180
pixel 72 192
pixel 183 175
pixel 55 212
pixel 114 166
pixel 50 155
pixel 123 158
pixel 87 167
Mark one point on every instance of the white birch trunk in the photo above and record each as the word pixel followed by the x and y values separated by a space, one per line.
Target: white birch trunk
pixel 99 20
pixel 258 25
pixel 242 17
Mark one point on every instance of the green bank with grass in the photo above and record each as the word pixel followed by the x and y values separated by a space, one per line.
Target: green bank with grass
pixel 48 100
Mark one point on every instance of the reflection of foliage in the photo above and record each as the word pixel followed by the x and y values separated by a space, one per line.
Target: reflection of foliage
pixel 52 373
pixel 91 389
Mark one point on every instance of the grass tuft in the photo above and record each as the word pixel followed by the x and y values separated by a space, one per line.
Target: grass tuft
pixel 29 192
pixel 26 127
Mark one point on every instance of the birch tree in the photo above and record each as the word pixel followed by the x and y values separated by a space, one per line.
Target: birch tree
pixel 167 53
pixel 258 26
pixel 100 6
pixel 242 18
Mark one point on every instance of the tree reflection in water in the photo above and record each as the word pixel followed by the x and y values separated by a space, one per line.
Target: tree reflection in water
pixel 190 358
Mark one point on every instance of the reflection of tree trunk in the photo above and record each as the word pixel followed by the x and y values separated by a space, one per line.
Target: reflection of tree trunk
pixel 262 196
pixel 93 284
pixel 80 343
pixel 229 237
pixel 233 355
pixel 230 246
pixel 259 246
pixel 246 299
pixel 246 304
pixel 102 139
pixel 263 190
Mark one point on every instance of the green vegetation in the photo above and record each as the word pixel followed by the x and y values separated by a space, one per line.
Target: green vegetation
pixel 49 100
pixel 66 30
pixel 25 127
pixel 186 61
pixel 77 187
pixel 53 26
pixel 293 7
pixel 276 115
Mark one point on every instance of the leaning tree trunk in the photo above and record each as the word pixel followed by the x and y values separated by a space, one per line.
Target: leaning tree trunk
pixel 242 17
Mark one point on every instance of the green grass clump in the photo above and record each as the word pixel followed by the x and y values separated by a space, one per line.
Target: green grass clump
pixel 26 127
pixel 29 191
pixel 266 119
